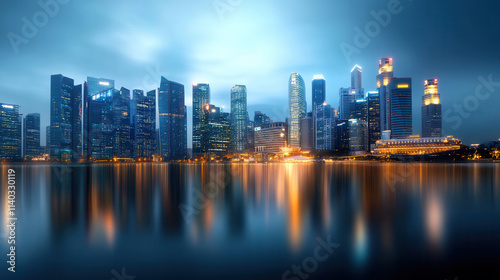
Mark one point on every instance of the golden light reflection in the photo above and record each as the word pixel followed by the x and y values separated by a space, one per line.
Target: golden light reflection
pixel 434 219
pixel 294 217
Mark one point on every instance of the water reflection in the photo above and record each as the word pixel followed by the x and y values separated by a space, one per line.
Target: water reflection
pixel 383 214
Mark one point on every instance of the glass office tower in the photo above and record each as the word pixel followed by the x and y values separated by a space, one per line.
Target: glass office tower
pixel 374 133
pixel 297 108
pixel 65 118
pixel 172 117
pixel 431 110
pixel 143 123
pixel 401 110
pixel 10 132
pixel 201 97
pixel 239 118
pixel 31 139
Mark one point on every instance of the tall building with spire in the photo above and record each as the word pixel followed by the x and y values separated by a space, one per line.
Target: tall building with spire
pixel 431 110
pixel 297 108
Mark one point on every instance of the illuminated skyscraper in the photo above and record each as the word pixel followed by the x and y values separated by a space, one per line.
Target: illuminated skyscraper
pixel 239 118
pixel 356 77
pixel 318 91
pixel 374 133
pixel 99 119
pixel 65 118
pixel 431 110
pixel 385 74
pixel 10 132
pixel 121 119
pixel 201 97
pixel 217 139
pixel 357 135
pixel 400 90
pixel 347 102
pixel 31 139
pixel 297 107
pixel 172 111
pixel 143 120
pixel 325 123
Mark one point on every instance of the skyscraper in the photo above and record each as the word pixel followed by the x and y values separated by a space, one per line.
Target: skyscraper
pixel 201 97
pixel 357 135
pixel 347 102
pixel 217 139
pixel 121 119
pixel 431 110
pixel 65 116
pixel 99 119
pixel 143 122
pixel 172 117
pixel 307 132
pixel 10 132
pixel 374 133
pixel 31 138
pixel 401 110
pixel 271 137
pixel 318 91
pixel 260 119
pixel 385 74
pixel 297 108
pixel 356 77
pixel 325 124
pixel 239 118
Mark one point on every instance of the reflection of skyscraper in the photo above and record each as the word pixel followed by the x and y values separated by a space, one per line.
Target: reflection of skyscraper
pixel 31 138
pixel 401 110
pixel 201 97
pixel 65 116
pixel 431 110
pixel 239 118
pixel 374 133
pixel 143 119
pixel 172 111
pixel 10 132
pixel 297 108
pixel 385 74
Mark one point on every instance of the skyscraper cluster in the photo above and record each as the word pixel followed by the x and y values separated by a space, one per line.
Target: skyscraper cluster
pixel 94 121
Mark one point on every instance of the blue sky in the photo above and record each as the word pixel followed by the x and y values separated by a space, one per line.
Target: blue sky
pixel 257 43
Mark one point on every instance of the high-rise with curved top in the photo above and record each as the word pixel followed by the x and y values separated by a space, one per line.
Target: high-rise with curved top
pixel 297 107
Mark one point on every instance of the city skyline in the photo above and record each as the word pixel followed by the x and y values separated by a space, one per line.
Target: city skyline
pixel 461 63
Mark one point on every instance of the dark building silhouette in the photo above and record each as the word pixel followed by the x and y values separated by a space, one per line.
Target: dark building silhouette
pixel 31 139
pixel 143 122
pixel 172 117
pixel 201 97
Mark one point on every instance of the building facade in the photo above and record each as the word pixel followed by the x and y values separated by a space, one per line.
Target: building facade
pixel 325 124
pixel 143 122
pixel 374 132
pixel 297 108
pixel 307 132
pixel 271 137
pixel 318 91
pixel 217 139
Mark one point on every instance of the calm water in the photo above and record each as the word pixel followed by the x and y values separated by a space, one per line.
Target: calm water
pixel 256 221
